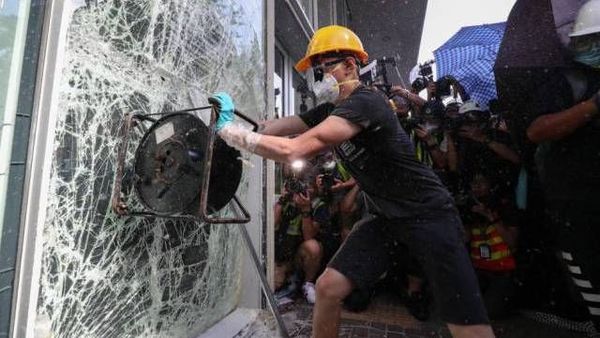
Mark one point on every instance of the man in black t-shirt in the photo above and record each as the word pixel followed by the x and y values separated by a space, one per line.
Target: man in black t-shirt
pixel 409 203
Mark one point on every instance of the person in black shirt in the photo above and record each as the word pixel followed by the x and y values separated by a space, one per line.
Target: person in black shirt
pixel 480 148
pixel 408 201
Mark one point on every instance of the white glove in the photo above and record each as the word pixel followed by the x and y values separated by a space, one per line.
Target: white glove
pixel 239 137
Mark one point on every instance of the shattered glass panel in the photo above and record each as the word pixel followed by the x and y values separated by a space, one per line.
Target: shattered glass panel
pixel 104 276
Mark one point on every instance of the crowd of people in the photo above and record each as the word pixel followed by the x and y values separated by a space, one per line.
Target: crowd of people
pixel 435 193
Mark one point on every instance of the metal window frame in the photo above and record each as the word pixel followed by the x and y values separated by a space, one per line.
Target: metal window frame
pixel 330 14
pixel 9 115
pixel 336 10
pixel 268 235
pixel 37 176
pixel 301 17
pixel 311 20
pixel 262 231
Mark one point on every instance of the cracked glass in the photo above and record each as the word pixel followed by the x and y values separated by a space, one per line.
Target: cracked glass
pixel 105 276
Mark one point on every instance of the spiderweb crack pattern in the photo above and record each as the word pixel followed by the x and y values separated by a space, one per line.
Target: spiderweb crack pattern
pixel 104 276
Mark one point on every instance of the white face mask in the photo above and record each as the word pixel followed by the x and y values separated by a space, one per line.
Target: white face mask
pixel 431 126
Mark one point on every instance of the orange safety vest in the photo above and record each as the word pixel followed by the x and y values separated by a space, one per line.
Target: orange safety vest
pixel 499 259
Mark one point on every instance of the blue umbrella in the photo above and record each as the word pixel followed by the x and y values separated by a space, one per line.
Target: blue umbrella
pixel 469 56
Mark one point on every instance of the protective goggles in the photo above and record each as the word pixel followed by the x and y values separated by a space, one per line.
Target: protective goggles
pixel 585 43
pixel 317 72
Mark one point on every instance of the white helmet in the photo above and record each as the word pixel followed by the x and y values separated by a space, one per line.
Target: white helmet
pixel 472 105
pixel 450 101
pixel 588 19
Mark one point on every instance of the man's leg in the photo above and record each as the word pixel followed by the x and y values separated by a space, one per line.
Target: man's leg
pixel 436 242
pixel 332 288
pixel 310 254
pixel 359 262
pixel 280 274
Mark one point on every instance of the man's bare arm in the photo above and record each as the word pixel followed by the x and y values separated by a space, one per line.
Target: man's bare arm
pixel 332 131
pixel 286 126
pixel 410 96
pixel 562 124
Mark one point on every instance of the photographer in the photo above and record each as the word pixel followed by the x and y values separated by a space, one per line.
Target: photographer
pixel 474 146
pixel 428 136
pixel 404 101
pixel 288 219
pixel 423 125
pixel 492 235
pixel 445 87
pixel 305 233
pixel 320 229
pixel 335 176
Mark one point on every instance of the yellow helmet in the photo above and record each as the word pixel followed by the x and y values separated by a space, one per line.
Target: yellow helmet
pixel 332 39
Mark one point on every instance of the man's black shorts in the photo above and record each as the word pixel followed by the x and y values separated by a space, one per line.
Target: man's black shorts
pixel 436 241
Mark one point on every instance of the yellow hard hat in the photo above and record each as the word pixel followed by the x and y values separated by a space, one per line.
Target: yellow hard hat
pixel 332 39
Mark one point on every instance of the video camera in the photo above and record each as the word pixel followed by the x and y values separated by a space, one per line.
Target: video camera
pixel 433 111
pixel 327 172
pixel 442 86
pixel 375 74
pixel 412 122
pixel 294 185
pixel 482 120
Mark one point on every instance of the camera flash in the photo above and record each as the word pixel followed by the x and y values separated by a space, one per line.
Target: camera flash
pixel 298 165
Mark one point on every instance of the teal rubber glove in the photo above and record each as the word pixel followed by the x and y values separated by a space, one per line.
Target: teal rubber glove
pixel 226 108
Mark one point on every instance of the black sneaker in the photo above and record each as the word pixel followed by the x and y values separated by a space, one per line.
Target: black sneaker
pixel 417 304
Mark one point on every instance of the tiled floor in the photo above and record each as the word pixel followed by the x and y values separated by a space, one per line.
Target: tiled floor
pixel 386 319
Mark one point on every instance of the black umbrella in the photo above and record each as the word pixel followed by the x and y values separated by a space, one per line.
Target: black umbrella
pixel 530 39
pixel 531 55
pixel 531 52
pixel 531 60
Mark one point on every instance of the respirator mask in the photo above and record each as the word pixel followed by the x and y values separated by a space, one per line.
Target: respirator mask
pixel 587 50
pixel 323 84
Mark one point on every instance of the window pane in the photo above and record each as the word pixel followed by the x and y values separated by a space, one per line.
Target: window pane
pixel 324 11
pixel 302 100
pixel 341 12
pixel 106 276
